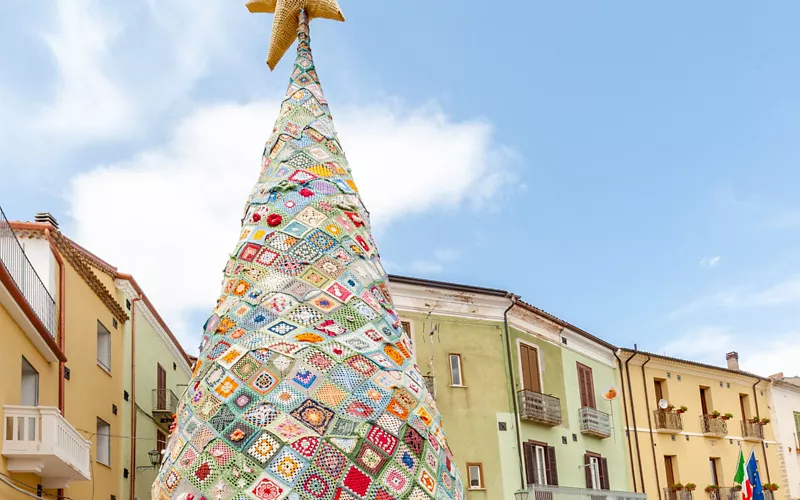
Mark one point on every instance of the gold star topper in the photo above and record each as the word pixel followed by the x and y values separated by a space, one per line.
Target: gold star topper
pixel 284 27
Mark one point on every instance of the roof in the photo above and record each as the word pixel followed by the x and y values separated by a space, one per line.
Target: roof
pixel 393 278
pixel 694 363
pixel 566 324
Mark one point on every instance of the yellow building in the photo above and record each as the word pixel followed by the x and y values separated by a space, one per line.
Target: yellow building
pixel 61 394
pixel 686 422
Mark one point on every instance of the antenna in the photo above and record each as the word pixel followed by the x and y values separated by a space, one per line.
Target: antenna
pixel 663 404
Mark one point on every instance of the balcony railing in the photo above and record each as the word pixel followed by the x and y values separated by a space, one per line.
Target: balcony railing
pixel 540 492
pixel 768 495
pixel 670 494
pixel 16 263
pixel 164 402
pixel 713 426
pixel 595 422
pixel 726 494
pixel 670 422
pixel 539 408
pixel 38 440
pixel 751 431
pixel 430 384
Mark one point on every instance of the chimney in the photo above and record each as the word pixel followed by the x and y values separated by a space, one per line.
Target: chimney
pixel 733 360
pixel 47 218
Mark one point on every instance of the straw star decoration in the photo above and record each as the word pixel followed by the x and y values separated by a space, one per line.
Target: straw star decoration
pixel 284 27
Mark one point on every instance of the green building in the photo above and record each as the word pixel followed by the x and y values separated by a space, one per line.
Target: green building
pixel 529 398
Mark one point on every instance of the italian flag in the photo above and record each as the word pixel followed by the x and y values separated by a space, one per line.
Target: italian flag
pixel 743 478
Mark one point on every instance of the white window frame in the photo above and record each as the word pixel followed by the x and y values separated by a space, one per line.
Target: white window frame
pixel 541 465
pixel 29 384
pixel 103 347
pixel 594 469
pixel 103 437
pixel 450 358
pixel 479 468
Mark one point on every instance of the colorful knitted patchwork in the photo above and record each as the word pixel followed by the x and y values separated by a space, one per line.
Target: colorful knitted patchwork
pixel 306 386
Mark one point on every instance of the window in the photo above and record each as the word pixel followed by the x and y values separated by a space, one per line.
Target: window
pixel 406 328
pixel 103 347
pixel 29 393
pixel 161 387
pixel 475 472
pixel 596 468
pixel 456 376
pixel 529 358
pixel 161 441
pixel 715 479
pixel 586 386
pixel 540 463
pixel 669 467
pixel 103 436
pixel 744 406
pixel 660 386
pixel 705 400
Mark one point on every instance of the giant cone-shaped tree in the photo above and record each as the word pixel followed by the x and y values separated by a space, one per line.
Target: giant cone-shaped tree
pixel 306 386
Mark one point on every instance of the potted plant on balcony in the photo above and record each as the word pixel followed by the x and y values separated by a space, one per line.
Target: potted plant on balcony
pixel 676 487
pixel 754 420
pixel 769 487
pixel 715 414
pixel 690 486
pixel 736 487
pixel 711 488
pixel 727 416
pixel 681 410
pixel 764 421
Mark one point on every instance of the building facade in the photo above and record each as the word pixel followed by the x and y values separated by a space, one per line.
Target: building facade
pixel 687 421
pixel 784 404
pixel 522 390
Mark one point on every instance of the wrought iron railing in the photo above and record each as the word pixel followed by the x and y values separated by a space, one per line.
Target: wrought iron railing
pixel 541 492
pixel 768 495
pixel 752 431
pixel 539 408
pixel 725 494
pixel 164 401
pixel 430 384
pixel 594 422
pixel 670 494
pixel 16 263
pixel 713 426
pixel 668 421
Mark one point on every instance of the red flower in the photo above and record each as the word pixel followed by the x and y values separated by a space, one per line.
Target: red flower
pixel 256 217
pixel 306 193
pixel 274 220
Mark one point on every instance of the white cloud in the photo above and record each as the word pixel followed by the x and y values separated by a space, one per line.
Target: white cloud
pixel 710 261
pixel 763 353
pixel 170 215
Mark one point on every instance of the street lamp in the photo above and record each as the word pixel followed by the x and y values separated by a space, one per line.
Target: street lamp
pixel 155 457
pixel 522 494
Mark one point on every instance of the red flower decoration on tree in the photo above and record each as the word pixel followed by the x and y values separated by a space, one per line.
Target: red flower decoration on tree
pixel 256 217
pixel 306 193
pixel 274 220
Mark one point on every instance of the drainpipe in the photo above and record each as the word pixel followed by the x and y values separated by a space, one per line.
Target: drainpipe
pixel 650 425
pixel 763 446
pixel 61 330
pixel 633 416
pixel 625 408
pixel 133 397
pixel 523 481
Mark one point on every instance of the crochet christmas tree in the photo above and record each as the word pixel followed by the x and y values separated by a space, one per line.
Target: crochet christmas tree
pixel 306 386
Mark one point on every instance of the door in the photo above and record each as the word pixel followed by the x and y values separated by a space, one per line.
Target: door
pixel 659 390
pixel 586 386
pixel 668 466
pixel 162 388
pixel 530 368
pixel 714 476
pixel 743 407
pixel 703 402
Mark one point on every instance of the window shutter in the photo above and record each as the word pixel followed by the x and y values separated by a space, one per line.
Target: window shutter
pixel 530 463
pixel 604 474
pixel 526 367
pixel 552 468
pixel 588 470
pixel 590 387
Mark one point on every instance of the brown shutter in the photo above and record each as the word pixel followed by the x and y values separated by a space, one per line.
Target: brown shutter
pixel 530 368
pixel 604 474
pixel 582 387
pixel 552 468
pixel 670 471
pixel 526 368
pixel 586 386
pixel 590 387
pixel 659 390
pixel 588 470
pixel 161 382
pixel 530 463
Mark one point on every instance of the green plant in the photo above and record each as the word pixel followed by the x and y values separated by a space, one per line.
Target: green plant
pixel 676 487
pixel 727 416
pixel 754 420
pixel 690 486
pixel 715 414
pixel 765 421
pixel 712 487
pixel 769 487
pixel 682 409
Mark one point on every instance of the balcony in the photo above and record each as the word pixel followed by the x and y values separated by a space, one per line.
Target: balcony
pixel 726 494
pixel 38 440
pixel 714 427
pixel 430 384
pixel 595 422
pixel 752 432
pixel 668 422
pixel 541 492
pixel 539 408
pixel 670 494
pixel 165 403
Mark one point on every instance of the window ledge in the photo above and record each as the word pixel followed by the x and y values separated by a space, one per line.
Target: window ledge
pixel 461 387
pixel 476 489
pixel 107 370
pixel 101 463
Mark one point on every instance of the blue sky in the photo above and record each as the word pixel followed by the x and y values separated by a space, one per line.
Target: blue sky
pixel 629 167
